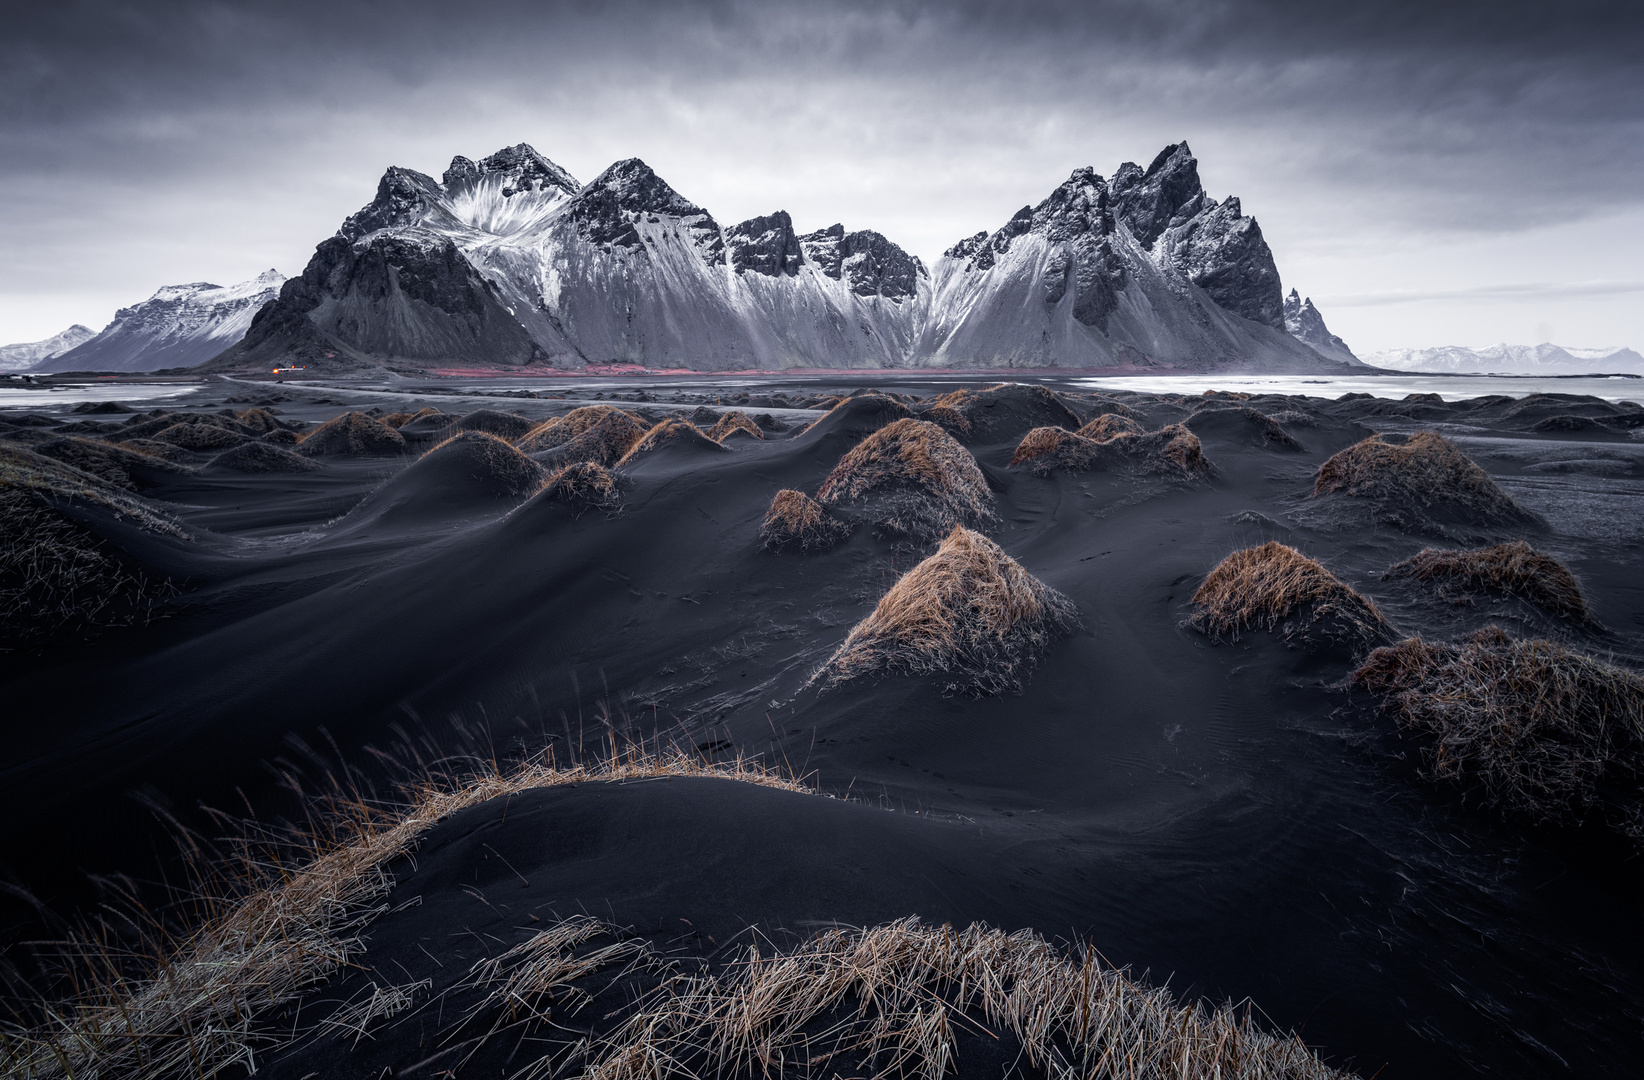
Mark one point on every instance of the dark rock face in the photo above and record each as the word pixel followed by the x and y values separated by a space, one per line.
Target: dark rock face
pixel 1210 244
pixel 870 264
pixel 404 197
pixel 765 245
pixel 1167 194
pixel 390 295
pixel 1078 217
pixel 983 250
pixel 606 211
pixel 522 167
pixel 1223 252
pixel 1304 323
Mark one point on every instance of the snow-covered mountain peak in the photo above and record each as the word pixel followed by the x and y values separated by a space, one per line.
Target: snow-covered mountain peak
pixel 404 197
pixel 179 326
pixel 27 354
pixel 608 209
pixel 514 190
pixel 520 166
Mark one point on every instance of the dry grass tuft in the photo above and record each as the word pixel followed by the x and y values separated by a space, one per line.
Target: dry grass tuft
pixel 913 479
pixel 1002 410
pixel 1424 477
pixel 200 436
pixel 352 434
pixel 887 1001
pixel 117 465
pixel 54 572
pixel 284 916
pixel 398 420
pixel 1049 449
pixel 795 520
pixel 1514 568
pixel 263 457
pixel 1171 451
pixel 559 430
pixel 969 613
pixel 1532 727
pixel 1274 586
pixel 669 432
pixel 1110 425
pixel 492 462
pixel 734 421
pixel 584 486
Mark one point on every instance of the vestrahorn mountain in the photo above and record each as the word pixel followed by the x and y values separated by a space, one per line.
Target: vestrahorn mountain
pixel 510 261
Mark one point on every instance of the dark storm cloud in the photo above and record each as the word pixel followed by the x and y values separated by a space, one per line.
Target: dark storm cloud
pixel 187 128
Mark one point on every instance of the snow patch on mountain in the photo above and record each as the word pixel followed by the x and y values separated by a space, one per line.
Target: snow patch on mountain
pixel 1543 359
pixel 179 326
pixel 28 353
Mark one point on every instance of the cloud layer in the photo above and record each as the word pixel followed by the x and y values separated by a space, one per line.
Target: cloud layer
pixel 163 142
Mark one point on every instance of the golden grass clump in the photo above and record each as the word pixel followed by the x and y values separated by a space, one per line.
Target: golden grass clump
pixel 1048 449
pixel 1418 482
pixel 1003 409
pixel 54 572
pixel 1534 728
pixel 279 918
pixel 398 420
pixel 669 432
pixel 257 421
pixel 200 436
pixel 1275 586
pixel 604 441
pixel 491 461
pixel 1110 425
pixel 263 457
pixel 559 430
pixel 113 464
pixel 1172 451
pixel 582 485
pixel 888 1001
pixel 913 479
pixel 734 421
pixel 969 613
pixel 352 434
pixel 795 520
pixel 1514 568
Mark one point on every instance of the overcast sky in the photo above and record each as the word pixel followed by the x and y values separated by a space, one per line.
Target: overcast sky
pixel 1431 173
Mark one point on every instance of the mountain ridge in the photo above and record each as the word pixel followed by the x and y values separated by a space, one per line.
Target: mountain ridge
pixel 1501 358
pixel 178 326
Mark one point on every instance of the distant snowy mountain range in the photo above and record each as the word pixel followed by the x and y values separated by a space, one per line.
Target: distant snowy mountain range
pixel 179 326
pixel 27 354
pixel 1543 359
pixel 511 261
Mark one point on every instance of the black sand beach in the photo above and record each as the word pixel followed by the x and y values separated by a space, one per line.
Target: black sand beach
pixel 1224 815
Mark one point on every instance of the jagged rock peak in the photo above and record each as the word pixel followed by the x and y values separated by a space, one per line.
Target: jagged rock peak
pixel 765 245
pixel 1224 253
pixel 1166 194
pixel 524 168
pixel 404 197
pixel 610 208
pixel 634 186
pixel 1304 323
pixel 867 262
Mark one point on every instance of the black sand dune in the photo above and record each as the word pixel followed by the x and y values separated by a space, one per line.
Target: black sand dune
pixel 1224 817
